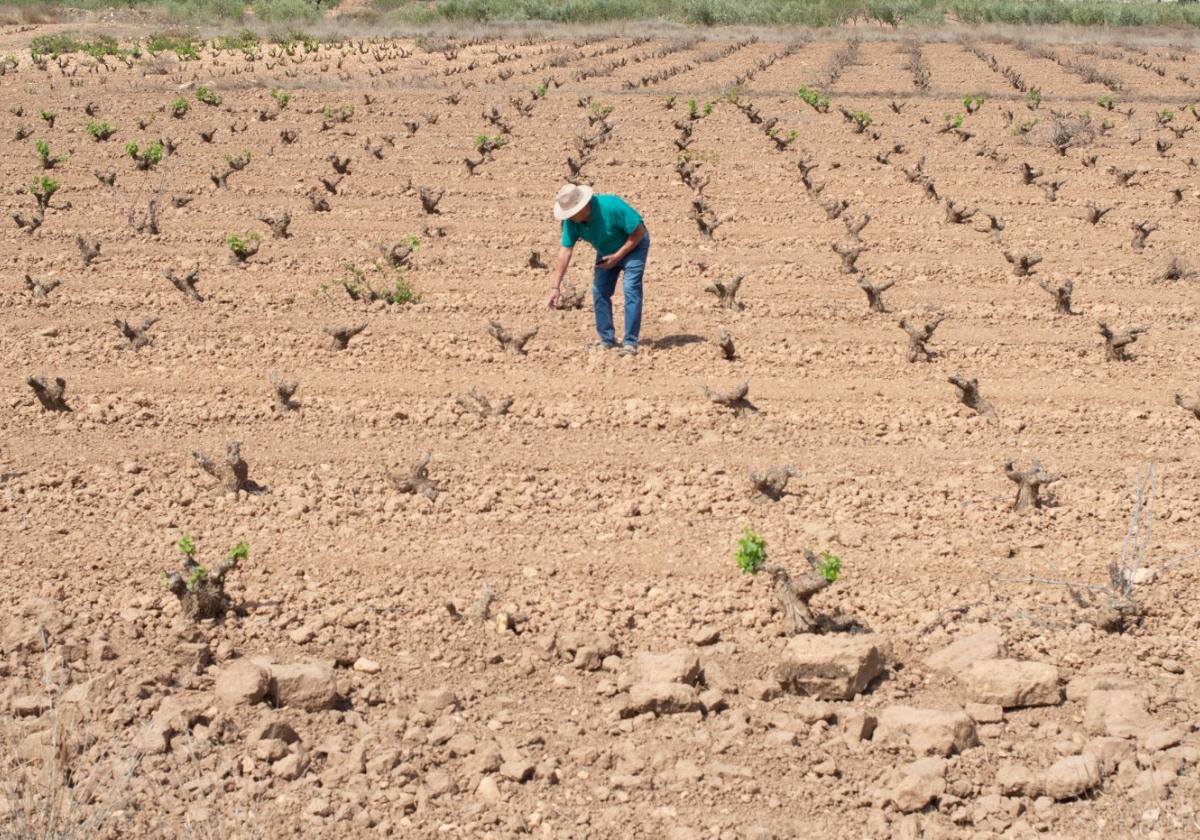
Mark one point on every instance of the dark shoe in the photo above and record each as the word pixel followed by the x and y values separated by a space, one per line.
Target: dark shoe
pixel 628 350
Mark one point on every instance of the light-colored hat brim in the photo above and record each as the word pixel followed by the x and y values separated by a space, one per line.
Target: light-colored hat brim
pixel 562 214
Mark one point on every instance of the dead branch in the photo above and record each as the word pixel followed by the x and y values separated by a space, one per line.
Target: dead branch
pixel 1141 230
pixel 918 336
pixel 1029 484
pixel 1061 294
pixel 136 334
pixel 1022 264
pixel 88 251
pixel 417 480
pixel 849 257
pixel 773 483
pixel 512 343
pixel 277 223
pixel 726 292
pixel 201 592
pixel 968 394
pixel 49 393
pixel 232 474
pixel 794 594
pixel 186 283
pixel 1116 342
pixel 725 343
pixel 874 292
pixel 733 398
pixel 570 297
pixel 958 214
pixel 430 199
pixel 474 402
pixel 1095 213
pixel 1189 404
pixel 340 336
pixel 40 288
pixel 283 390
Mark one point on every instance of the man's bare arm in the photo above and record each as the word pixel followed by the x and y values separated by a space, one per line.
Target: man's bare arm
pixel 556 275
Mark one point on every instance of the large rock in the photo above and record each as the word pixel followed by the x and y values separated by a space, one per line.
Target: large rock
pixel 1012 683
pixel 681 666
pixel 242 684
pixel 1121 713
pixel 304 686
pixel 664 698
pixel 832 667
pixel 985 643
pixel 926 731
pixel 1071 777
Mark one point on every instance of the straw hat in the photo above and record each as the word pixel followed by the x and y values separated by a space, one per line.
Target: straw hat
pixel 570 200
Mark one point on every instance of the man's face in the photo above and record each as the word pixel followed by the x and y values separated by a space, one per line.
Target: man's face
pixel 584 214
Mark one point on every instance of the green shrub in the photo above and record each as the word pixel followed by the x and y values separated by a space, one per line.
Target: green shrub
pixel 751 553
pixel 242 246
pixel 973 102
pixel 1106 102
pixel 185 47
pixel 180 107
pixel 208 97
pixel 187 545
pixel 817 100
pixel 43 189
pixel 48 117
pixel 281 97
pixel 147 158
pixel 48 160
pixel 244 41
pixel 340 114
pixel 830 566
pixel 1033 99
pixel 100 130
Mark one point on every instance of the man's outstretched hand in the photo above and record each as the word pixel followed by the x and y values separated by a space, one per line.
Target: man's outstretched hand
pixel 552 298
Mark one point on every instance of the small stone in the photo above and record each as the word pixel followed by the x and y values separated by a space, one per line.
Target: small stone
pixel 518 771
pixel 762 689
pixel 436 700
pixel 828 767
pixel 439 783
pixel 366 666
pixel 318 807
pixel 706 635
pixel 488 789
pixel 301 635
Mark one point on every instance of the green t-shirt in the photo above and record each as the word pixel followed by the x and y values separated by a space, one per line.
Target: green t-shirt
pixel 611 223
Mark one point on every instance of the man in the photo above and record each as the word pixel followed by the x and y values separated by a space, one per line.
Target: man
pixel 619 236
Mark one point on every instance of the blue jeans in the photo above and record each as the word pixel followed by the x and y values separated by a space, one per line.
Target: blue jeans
pixel 604 283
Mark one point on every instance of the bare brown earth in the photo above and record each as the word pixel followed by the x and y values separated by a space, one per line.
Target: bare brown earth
pixel 603 509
